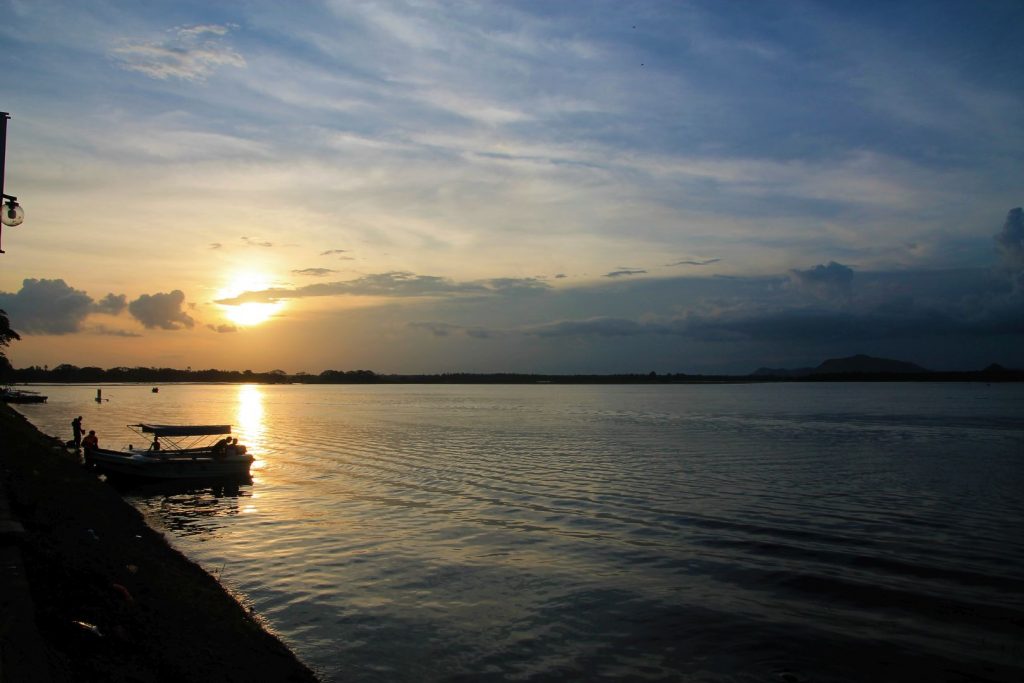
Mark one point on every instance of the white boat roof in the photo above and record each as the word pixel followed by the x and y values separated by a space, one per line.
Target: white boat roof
pixel 183 430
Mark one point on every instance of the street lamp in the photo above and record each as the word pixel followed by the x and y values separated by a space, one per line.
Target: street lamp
pixel 11 213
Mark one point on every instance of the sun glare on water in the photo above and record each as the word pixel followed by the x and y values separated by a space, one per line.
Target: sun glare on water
pixel 249 313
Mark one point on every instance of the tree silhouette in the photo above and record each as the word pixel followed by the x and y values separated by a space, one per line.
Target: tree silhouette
pixel 7 335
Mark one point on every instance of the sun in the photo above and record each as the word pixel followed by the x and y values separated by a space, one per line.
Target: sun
pixel 249 313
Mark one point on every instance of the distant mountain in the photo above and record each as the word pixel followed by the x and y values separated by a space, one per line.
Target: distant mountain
pixel 859 364
pixel 866 364
pixel 782 372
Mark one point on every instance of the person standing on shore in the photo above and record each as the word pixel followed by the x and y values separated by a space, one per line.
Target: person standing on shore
pixel 76 431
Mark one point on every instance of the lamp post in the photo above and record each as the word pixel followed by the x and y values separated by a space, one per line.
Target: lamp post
pixel 11 213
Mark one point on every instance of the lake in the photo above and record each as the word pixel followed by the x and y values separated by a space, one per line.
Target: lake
pixel 747 532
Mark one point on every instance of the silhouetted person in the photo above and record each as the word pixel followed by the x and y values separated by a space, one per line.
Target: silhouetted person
pixel 76 432
pixel 155 446
pixel 220 448
pixel 91 442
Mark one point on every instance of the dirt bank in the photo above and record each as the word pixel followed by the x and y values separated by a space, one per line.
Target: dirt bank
pixel 113 601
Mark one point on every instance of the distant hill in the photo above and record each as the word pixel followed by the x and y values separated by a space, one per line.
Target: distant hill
pixel 859 364
pixel 782 372
pixel 867 364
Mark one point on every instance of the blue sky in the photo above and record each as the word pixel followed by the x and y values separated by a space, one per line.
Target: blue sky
pixel 531 186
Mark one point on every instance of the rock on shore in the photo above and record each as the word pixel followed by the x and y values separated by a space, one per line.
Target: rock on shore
pixel 113 601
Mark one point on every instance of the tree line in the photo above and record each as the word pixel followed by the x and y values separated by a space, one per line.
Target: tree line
pixel 67 373
pixel 72 374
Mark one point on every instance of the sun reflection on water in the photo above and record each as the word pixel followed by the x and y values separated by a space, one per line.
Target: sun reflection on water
pixel 250 427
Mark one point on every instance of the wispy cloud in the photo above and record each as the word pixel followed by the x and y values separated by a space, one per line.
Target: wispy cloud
pixel 448 329
pixel 694 262
pixel 105 331
pixel 187 53
pixel 393 284
pixel 625 271
pixel 600 327
pixel 314 272
pixel 256 242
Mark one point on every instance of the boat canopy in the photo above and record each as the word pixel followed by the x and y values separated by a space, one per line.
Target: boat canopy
pixel 183 430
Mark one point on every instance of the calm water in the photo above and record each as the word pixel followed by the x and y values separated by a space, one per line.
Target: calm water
pixel 825 532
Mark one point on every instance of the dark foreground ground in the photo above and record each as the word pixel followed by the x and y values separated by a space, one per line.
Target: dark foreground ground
pixel 112 601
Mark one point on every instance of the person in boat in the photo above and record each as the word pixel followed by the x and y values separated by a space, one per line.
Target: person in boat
pixel 155 446
pixel 221 447
pixel 91 441
pixel 76 431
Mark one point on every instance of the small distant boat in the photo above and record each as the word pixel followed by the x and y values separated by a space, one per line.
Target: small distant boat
pixel 9 395
pixel 187 452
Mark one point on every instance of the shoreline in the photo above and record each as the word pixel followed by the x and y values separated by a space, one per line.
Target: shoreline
pixel 111 599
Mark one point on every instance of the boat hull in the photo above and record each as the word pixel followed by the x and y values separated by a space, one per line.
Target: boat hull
pixel 199 464
pixel 22 398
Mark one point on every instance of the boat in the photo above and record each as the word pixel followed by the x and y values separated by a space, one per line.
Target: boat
pixel 9 395
pixel 185 452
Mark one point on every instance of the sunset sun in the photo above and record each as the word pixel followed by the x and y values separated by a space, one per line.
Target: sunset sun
pixel 252 312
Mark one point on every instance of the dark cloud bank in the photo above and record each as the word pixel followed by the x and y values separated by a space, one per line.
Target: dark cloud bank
pixel 952 318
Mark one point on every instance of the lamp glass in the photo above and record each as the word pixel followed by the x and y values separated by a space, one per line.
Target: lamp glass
pixel 12 214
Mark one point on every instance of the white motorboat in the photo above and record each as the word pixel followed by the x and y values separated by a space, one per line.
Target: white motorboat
pixel 176 452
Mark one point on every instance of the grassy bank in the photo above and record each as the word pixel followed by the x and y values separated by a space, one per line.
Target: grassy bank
pixel 91 561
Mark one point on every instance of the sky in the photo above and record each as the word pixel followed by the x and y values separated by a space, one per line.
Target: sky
pixel 551 187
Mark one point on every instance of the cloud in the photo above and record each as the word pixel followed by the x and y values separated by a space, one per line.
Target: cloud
pixel 829 281
pixel 598 326
pixel 393 284
pixel 625 271
pixel 791 326
pixel 113 332
pixel 331 252
pixel 516 285
pixel 447 329
pixel 111 304
pixel 223 328
pixel 189 53
pixel 823 325
pixel 161 310
pixel 54 307
pixel 256 243
pixel 200 29
pixel 47 307
pixel 703 262
pixel 215 245
pixel 314 272
pixel 1010 240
